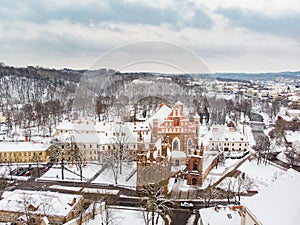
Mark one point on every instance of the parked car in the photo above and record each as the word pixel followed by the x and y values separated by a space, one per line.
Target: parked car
pixel 186 205
pixel 21 173
pixel 46 169
pixel 18 171
pixel 27 174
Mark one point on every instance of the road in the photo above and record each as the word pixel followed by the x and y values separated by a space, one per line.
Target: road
pixel 125 197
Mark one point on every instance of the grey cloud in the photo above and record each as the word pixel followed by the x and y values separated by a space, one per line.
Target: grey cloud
pixel 37 11
pixel 284 25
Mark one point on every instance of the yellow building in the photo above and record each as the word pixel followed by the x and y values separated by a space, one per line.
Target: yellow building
pixel 23 152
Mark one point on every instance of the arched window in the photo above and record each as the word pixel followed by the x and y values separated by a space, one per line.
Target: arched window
pixel 175 145
pixel 190 145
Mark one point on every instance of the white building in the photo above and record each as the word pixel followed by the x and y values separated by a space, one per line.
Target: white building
pixel 220 215
pixel 94 138
pixel 276 205
pixel 224 138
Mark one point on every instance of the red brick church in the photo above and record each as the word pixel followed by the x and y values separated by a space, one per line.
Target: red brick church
pixel 174 142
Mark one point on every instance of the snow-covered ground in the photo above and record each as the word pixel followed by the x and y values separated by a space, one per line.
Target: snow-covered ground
pixel 72 173
pixel 121 217
pixel 125 179
pixel 262 175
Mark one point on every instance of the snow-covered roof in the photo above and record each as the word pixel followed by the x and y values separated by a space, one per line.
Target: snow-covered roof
pixel 161 114
pixel 54 203
pixel 22 146
pixel 293 112
pixel 281 198
pixel 225 133
pixel 292 136
pixel 106 133
pixel 296 146
pixel 220 215
pixel 178 103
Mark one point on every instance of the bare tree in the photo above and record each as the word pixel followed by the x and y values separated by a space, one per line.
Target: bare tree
pixel 46 205
pixel 121 138
pixel 274 109
pixel 278 131
pixel 209 193
pixel 76 155
pixel 3 183
pixel 262 148
pixel 293 156
pixel 229 186
pixel 27 207
pixel 118 152
pixel 155 203
pixel 243 184
pixel 37 158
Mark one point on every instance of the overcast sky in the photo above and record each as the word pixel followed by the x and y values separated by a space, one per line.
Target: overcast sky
pixel 223 35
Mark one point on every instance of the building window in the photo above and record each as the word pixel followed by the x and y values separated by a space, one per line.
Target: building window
pixel 175 145
pixel 190 144
pixel 195 166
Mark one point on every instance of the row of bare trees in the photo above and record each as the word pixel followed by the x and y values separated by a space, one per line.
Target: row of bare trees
pixel 232 189
pixel 44 116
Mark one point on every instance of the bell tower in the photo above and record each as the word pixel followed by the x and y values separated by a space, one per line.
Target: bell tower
pixel 195 167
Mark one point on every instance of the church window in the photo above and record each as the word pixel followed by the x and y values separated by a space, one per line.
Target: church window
pixel 176 122
pixel 194 181
pixel 195 166
pixel 190 147
pixel 175 145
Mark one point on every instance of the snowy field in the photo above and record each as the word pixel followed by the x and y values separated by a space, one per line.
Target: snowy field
pixel 127 178
pixel 71 173
pixel 89 172
pixel 262 175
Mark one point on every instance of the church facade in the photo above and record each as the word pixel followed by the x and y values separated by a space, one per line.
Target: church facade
pixel 174 143
pixel 183 134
